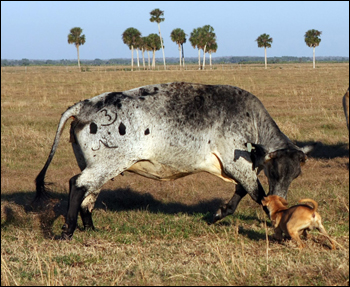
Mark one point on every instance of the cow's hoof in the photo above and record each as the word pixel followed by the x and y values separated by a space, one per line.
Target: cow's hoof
pixel 65 227
pixel 89 227
pixel 217 216
pixel 65 236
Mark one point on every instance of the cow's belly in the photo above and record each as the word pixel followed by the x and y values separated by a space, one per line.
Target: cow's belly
pixel 156 170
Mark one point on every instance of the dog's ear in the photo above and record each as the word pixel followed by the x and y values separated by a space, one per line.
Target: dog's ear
pixel 283 201
pixel 264 202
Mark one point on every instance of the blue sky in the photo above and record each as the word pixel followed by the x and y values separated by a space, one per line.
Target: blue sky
pixel 38 30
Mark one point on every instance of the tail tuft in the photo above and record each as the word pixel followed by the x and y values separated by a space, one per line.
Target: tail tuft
pixel 42 190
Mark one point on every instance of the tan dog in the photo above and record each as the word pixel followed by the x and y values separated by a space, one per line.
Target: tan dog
pixel 295 220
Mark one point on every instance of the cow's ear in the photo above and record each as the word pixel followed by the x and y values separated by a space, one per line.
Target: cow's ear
pixel 307 149
pixel 257 154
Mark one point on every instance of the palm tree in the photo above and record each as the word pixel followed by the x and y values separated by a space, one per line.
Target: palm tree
pixel 312 40
pixel 194 39
pixel 179 37
pixel 199 38
pixel 137 47
pixel 212 48
pixel 206 36
pixel 155 44
pixel 143 47
pixel 155 17
pixel 130 38
pixel 75 37
pixel 265 41
pixel 148 48
pixel 183 55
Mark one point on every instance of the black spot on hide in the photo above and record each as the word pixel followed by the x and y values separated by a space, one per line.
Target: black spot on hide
pixel 122 129
pixel 113 99
pixel 146 92
pixel 248 115
pixel 99 105
pixel 117 103
pixel 109 99
pixel 93 128
pixel 146 132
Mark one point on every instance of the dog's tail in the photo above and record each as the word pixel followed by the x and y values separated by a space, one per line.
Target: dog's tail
pixel 314 203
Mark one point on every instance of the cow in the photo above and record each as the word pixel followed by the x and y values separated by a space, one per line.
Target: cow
pixel 168 131
pixel 346 107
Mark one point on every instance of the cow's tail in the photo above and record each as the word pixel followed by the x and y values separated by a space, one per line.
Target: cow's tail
pixel 314 203
pixel 41 186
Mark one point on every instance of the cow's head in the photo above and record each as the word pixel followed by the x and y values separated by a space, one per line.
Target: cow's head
pixel 280 166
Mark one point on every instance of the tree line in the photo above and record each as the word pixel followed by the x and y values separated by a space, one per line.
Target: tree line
pixel 173 61
pixel 202 38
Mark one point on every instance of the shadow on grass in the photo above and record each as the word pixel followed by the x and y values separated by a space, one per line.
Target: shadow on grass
pixel 128 199
pixel 118 200
pixel 324 151
pixel 122 199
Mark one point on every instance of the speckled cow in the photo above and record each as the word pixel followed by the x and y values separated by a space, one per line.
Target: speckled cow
pixel 167 131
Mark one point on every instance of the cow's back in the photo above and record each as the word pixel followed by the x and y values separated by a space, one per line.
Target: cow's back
pixel 172 129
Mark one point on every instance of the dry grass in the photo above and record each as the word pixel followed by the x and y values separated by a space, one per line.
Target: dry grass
pixel 156 233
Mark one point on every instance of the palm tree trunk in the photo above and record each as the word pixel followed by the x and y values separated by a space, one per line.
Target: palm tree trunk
pixel 78 57
pixel 265 59
pixel 154 59
pixel 210 60
pixel 204 56
pixel 149 62
pixel 183 56
pixel 143 59
pixel 138 60
pixel 313 63
pixel 132 57
pixel 161 42
pixel 199 59
pixel 180 54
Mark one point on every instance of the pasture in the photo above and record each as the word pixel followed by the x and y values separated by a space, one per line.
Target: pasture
pixel 157 233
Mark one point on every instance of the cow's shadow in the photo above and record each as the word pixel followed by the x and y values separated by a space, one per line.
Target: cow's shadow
pixel 121 199
pixel 325 151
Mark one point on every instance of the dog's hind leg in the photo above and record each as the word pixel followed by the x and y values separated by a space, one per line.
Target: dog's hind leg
pixel 323 231
pixel 304 233
pixel 278 234
pixel 294 234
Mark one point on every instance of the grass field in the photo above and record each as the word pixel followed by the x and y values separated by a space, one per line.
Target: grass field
pixel 157 233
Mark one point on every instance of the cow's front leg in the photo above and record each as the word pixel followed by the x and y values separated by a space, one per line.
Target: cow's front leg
pixel 257 195
pixel 230 207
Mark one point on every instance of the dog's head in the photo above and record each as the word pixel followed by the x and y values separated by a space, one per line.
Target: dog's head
pixel 274 202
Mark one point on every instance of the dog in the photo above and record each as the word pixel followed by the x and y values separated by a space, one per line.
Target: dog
pixel 295 220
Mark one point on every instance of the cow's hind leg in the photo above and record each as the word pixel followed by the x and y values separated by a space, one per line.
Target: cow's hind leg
pixel 83 191
pixel 76 195
pixel 86 209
